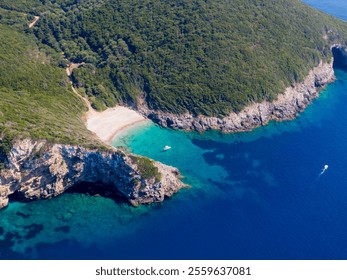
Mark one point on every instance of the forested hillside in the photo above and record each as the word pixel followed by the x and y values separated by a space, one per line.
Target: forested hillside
pixel 207 57
pixel 35 98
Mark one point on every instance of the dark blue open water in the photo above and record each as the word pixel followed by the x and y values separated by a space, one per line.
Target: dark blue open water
pixel 254 195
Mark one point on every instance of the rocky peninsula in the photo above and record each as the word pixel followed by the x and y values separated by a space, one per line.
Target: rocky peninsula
pixel 38 170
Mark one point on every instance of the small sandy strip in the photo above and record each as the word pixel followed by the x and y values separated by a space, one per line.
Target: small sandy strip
pixel 110 122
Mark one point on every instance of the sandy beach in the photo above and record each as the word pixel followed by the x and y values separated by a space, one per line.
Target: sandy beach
pixel 108 123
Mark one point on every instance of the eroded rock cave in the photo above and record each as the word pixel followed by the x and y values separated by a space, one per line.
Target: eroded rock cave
pixel 340 58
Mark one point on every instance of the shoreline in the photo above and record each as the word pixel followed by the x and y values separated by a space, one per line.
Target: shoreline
pixel 109 123
pixel 113 121
pixel 287 106
pixel 129 127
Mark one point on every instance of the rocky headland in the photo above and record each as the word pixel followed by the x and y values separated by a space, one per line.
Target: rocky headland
pixel 286 107
pixel 37 169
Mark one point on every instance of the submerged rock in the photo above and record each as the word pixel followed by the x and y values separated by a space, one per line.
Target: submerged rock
pixel 36 169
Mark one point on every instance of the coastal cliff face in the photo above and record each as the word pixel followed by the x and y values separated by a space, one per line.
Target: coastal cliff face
pixel 287 106
pixel 36 170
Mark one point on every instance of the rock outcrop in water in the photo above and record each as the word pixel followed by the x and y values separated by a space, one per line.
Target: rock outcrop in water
pixel 35 170
pixel 287 106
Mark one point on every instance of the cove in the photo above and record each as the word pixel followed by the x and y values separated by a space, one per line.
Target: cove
pixel 258 195
pixel 254 196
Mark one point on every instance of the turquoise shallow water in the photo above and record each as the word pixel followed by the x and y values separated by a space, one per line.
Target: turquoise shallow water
pixel 254 196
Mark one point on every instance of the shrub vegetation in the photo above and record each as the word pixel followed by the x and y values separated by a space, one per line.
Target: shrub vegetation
pixel 36 99
pixel 207 57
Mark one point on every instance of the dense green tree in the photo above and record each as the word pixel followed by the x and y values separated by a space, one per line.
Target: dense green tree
pixel 207 57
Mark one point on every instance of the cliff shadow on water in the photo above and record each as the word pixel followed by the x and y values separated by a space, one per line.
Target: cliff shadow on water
pixel 87 188
pixel 100 190
pixel 340 58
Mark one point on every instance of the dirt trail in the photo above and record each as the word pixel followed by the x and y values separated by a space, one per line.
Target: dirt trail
pixel 69 69
pixel 36 18
pixel 91 111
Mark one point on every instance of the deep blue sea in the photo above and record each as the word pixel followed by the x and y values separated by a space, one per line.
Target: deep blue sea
pixel 254 195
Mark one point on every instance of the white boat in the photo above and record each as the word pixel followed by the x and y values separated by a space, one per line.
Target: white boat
pixel 166 148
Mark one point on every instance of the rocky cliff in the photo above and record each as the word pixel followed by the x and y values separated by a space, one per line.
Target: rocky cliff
pixel 286 107
pixel 36 169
